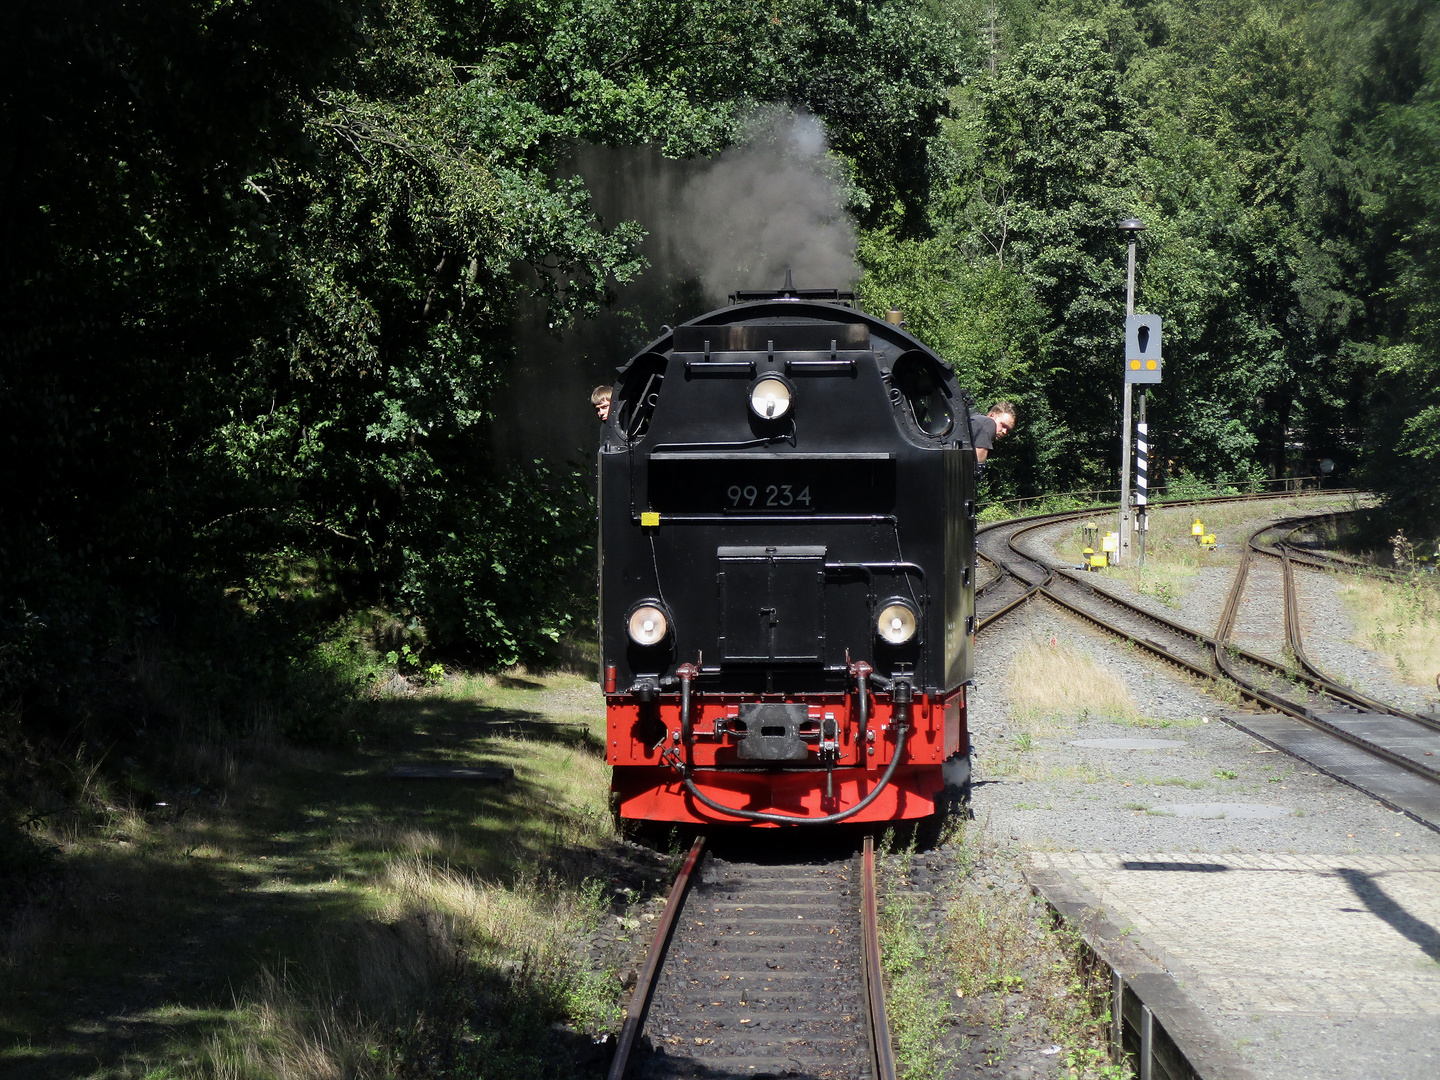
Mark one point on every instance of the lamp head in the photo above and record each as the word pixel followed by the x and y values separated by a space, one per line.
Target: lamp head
pixel 1130 225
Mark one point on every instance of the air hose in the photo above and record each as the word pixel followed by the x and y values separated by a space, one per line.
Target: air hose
pixel 792 819
pixel 902 700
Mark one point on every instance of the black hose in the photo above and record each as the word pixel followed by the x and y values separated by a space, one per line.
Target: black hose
pixel 686 673
pixel 791 819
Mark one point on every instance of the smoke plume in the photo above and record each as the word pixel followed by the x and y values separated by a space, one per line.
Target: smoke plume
pixel 713 225
pixel 770 204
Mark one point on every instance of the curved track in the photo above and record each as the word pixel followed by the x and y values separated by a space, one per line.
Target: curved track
pixel 762 969
pixel 1383 750
pixel 1289 560
pixel 1324 691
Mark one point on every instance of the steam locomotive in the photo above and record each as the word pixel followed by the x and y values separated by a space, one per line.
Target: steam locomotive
pixel 787 549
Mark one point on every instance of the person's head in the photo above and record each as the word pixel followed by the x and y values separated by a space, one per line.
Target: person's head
pixel 600 398
pixel 1003 413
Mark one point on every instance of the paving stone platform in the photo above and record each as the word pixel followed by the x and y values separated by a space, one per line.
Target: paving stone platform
pixel 1309 966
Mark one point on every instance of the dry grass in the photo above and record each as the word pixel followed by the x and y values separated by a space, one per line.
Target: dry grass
pixel 301 915
pixel 332 1015
pixel 1051 679
pixel 1172 558
pixel 997 961
pixel 1398 620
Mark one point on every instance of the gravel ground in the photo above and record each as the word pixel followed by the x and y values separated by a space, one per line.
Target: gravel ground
pixel 1260 617
pixel 1200 606
pixel 1154 799
pixel 1328 627
pixel 1213 789
pixel 1325 622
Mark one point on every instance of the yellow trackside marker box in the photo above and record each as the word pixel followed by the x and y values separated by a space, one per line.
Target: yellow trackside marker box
pixel 650 518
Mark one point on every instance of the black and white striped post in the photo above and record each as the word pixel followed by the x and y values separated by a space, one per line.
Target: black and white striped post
pixel 1142 477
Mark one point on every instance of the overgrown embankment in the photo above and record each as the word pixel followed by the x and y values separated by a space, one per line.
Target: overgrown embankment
pixel 246 907
pixel 978 976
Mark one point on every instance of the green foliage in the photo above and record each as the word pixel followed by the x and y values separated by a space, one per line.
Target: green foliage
pixel 263 260
pixel 1283 158
pixel 1023 278
pixel 515 571
pixel 1391 146
pixel 1190 486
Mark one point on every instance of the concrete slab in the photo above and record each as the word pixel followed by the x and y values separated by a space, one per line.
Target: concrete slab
pixel 1400 788
pixel 1310 967
pixel 1412 741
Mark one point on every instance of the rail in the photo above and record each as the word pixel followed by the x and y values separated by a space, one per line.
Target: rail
pixel 1216 657
pixel 877 1028
pixel 883 1053
pixel 645 984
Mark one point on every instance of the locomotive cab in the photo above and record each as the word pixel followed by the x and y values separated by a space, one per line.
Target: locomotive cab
pixel 787 542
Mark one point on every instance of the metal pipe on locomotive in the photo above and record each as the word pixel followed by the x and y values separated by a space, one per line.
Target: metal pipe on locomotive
pixel 787 549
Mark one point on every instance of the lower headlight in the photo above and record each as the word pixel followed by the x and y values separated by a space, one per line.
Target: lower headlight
pixel 897 623
pixel 647 625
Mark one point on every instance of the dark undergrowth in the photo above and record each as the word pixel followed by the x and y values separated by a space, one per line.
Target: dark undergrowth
pixel 192 893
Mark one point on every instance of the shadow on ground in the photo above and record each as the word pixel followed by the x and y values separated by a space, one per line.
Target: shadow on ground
pixel 148 929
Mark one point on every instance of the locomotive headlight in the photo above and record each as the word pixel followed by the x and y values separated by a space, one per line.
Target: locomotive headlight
pixel 647 624
pixel 770 397
pixel 897 623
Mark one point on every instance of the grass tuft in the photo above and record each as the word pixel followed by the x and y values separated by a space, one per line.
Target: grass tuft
pixel 1400 620
pixel 1052 679
pixel 916 1022
pixel 995 974
pixel 238 908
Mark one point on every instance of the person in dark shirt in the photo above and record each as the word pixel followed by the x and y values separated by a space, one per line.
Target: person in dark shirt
pixel 996 424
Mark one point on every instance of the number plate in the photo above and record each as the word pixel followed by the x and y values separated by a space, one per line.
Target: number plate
pixel 772 484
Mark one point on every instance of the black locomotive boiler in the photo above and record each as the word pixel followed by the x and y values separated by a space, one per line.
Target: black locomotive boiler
pixel 787 546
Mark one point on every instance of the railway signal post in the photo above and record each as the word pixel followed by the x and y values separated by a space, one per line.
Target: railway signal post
pixel 1142 366
pixel 1131 227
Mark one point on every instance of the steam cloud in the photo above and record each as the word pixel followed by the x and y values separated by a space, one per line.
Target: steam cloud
pixel 736 221
pixel 772 203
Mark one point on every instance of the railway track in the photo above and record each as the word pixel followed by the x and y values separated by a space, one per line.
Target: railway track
pixel 762 969
pixel 1385 751
pixel 1317 689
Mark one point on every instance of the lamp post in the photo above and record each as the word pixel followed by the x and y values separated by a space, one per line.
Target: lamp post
pixel 1131 227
